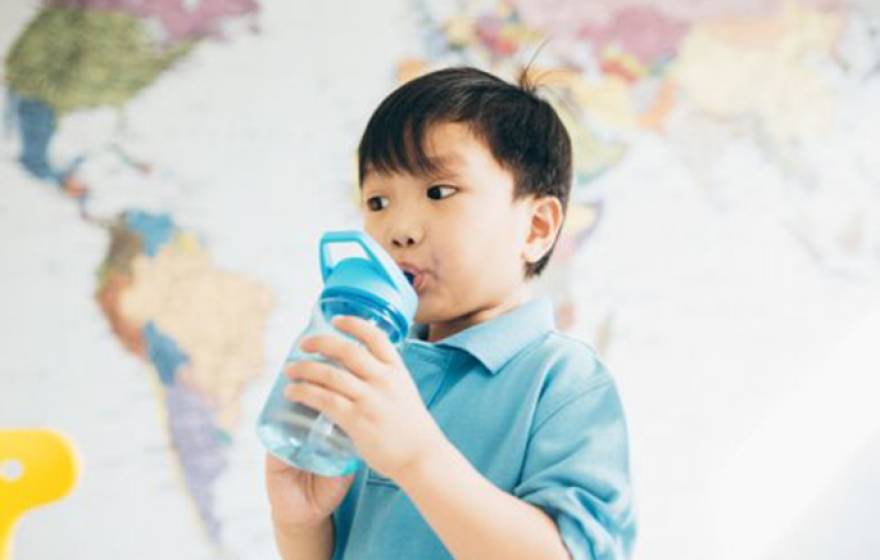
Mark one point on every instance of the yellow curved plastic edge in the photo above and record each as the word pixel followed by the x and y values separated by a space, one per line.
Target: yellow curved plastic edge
pixel 37 467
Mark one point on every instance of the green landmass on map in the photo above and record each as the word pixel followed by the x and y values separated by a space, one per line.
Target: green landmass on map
pixel 74 59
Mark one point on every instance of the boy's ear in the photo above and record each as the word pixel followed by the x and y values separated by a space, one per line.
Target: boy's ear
pixel 546 219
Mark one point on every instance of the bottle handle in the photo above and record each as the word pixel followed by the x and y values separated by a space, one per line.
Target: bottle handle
pixel 373 251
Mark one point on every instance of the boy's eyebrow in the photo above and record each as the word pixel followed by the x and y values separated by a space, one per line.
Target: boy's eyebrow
pixel 444 160
pixel 446 164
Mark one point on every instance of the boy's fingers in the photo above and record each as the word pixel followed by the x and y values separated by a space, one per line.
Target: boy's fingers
pixel 330 377
pixel 344 352
pixel 373 337
pixel 334 405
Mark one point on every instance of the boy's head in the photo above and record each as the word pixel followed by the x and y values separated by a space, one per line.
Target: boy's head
pixel 465 179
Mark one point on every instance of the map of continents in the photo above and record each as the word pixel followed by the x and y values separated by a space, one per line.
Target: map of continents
pixel 766 105
pixel 200 328
pixel 699 77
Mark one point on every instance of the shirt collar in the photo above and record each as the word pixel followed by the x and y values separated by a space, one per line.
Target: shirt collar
pixel 494 342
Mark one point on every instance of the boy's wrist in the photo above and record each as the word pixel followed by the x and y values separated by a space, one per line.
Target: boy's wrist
pixel 419 472
pixel 299 529
pixel 305 541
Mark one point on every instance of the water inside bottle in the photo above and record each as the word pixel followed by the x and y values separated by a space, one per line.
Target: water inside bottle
pixel 303 437
pixel 300 435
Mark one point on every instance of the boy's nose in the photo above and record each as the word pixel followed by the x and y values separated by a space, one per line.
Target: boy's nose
pixel 406 236
pixel 403 240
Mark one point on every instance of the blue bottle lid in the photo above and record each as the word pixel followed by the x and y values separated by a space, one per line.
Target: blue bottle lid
pixel 375 277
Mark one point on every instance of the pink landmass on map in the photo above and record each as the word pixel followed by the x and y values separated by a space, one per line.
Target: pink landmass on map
pixel 178 19
pixel 643 32
pixel 566 16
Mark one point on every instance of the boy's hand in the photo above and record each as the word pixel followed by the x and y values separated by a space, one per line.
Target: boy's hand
pixel 301 500
pixel 377 403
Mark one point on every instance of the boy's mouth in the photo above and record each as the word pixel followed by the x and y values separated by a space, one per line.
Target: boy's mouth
pixel 414 276
pixel 418 281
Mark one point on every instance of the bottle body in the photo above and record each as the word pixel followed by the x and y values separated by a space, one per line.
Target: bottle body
pixel 298 434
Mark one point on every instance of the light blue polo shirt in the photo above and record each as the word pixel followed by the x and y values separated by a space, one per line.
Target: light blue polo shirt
pixel 535 412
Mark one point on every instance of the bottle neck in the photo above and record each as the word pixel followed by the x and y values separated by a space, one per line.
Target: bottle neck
pixel 335 302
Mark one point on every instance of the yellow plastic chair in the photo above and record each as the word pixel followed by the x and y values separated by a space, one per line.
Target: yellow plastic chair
pixel 36 467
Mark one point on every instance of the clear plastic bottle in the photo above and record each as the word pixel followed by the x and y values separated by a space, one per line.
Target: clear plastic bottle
pixel 372 288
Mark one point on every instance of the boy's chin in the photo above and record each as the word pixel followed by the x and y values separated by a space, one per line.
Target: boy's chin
pixel 425 314
pixel 429 312
pixel 421 317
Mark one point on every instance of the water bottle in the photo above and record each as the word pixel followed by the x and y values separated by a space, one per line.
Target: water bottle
pixel 371 287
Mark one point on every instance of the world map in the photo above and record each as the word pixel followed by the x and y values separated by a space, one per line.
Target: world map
pixel 115 143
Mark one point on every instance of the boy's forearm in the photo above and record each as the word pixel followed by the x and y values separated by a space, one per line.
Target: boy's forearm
pixel 473 517
pixel 301 544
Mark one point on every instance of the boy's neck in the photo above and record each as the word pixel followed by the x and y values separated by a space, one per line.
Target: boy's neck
pixel 440 330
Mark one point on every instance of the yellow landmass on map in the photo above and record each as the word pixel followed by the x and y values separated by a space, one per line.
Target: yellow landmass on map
pixel 762 67
pixel 216 317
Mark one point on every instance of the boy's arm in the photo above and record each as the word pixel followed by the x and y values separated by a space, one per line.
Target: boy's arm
pixel 305 544
pixel 473 517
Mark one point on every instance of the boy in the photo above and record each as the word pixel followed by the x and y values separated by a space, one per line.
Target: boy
pixel 490 435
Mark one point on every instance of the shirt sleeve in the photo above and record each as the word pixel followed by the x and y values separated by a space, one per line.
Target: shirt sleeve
pixel 577 471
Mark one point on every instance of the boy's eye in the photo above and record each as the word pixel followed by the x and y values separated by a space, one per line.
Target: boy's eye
pixel 376 203
pixel 438 192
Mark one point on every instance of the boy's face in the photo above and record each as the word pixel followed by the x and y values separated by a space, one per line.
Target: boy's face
pixel 459 232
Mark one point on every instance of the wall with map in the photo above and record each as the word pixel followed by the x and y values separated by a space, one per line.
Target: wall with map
pixel 167 167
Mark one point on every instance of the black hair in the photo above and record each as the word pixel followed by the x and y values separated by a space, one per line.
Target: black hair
pixel 522 131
